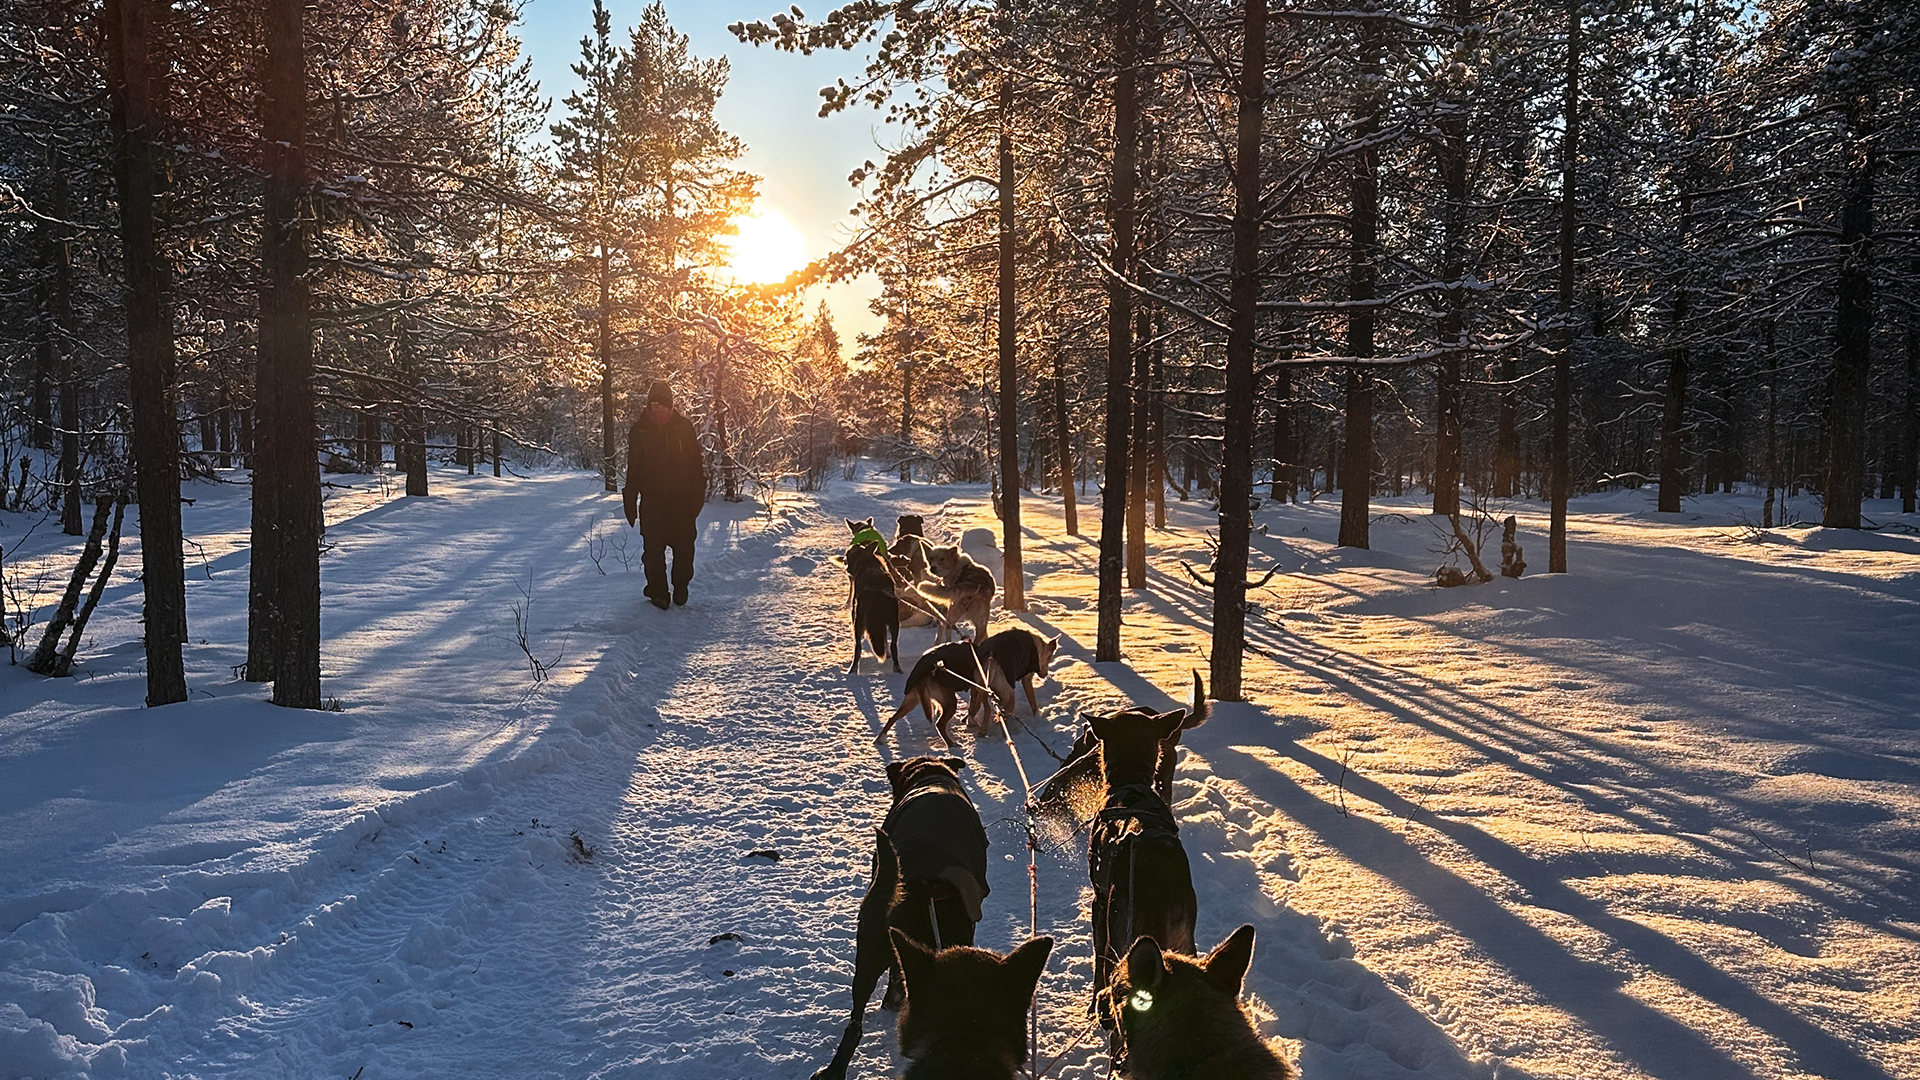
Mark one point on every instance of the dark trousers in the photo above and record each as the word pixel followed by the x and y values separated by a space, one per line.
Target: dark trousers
pixel 657 537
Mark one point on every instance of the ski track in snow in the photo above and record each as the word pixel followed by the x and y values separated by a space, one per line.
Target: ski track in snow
pixel 458 928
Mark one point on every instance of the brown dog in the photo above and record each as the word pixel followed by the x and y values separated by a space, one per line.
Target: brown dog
pixel 929 877
pixel 1142 885
pixel 967 1008
pixel 963 591
pixel 910 544
pixel 938 677
pixel 1181 1018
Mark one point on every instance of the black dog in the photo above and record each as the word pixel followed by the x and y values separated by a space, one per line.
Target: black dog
pixel 1016 656
pixel 876 609
pixel 929 877
pixel 938 677
pixel 966 1009
pixel 910 544
pixel 1142 885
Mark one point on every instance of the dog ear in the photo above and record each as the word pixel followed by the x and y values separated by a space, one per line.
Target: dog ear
pixel 955 763
pixel 916 960
pixel 1227 964
pixel 1166 725
pixel 1101 726
pixel 1144 965
pixel 1025 965
pixel 896 773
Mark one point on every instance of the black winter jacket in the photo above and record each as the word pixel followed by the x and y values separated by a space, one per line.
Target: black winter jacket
pixel 666 472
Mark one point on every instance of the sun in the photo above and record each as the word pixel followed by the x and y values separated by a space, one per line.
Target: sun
pixel 767 249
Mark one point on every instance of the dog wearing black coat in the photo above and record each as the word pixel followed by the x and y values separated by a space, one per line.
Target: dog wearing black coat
pixel 938 677
pixel 876 608
pixel 1142 884
pixel 929 877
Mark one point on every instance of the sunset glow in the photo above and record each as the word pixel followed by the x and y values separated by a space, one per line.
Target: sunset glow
pixel 767 249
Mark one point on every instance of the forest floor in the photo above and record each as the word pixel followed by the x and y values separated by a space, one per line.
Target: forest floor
pixel 1657 817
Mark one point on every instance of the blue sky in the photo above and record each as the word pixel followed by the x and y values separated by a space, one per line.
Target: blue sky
pixel 771 102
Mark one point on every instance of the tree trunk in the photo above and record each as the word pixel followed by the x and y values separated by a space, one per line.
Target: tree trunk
pixel 1846 406
pixel 287 420
pixel 59 332
pixel 1113 499
pixel 1356 489
pixel 416 415
pixel 1674 479
pixel 1236 461
pixel 1447 378
pixel 1910 418
pixel 906 418
pixel 608 449
pixel 1559 466
pixel 156 435
pixel 45 656
pixel 1286 469
pixel 1157 426
pixel 1013 580
pixel 1063 428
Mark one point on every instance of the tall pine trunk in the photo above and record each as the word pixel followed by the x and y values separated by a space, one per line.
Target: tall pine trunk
pixel 1236 462
pixel 604 343
pixel 1363 269
pixel 1447 378
pixel 1846 406
pixel 1113 499
pixel 1063 438
pixel 1013 580
pixel 1559 467
pixel 150 361
pixel 1675 481
pixel 287 423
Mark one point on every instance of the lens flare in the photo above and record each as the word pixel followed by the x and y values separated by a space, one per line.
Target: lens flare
pixel 766 249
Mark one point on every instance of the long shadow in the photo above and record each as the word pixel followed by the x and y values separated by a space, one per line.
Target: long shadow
pixel 1655 1041
pixel 1565 759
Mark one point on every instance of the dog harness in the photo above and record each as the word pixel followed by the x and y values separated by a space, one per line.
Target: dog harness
pixel 942 840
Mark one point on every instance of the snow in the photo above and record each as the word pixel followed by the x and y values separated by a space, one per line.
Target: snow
pixel 1659 817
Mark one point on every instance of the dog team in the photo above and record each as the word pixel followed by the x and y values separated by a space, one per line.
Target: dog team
pixel 963 1010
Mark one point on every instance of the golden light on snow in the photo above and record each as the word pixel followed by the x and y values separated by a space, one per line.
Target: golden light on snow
pixel 766 249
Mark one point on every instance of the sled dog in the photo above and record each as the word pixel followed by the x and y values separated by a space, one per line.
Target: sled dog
pixel 1142 886
pixel 963 590
pixel 1178 1017
pixel 1016 655
pixel 876 610
pixel 966 1011
pixel 910 544
pixel 938 677
pixel 929 877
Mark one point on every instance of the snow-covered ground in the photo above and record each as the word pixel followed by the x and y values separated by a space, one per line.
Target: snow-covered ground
pixel 1659 817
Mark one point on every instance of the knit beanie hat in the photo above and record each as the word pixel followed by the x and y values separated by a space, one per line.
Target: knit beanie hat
pixel 661 393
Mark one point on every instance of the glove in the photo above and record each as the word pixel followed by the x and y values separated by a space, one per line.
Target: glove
pixel 632 499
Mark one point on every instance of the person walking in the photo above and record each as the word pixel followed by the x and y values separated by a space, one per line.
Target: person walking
pixel 666 487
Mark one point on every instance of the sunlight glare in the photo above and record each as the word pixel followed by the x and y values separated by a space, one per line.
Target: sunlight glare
pixel 767 249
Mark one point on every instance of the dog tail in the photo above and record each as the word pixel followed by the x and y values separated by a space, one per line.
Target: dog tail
pixel 873 619
pixel 886 864
pixel 1197 708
